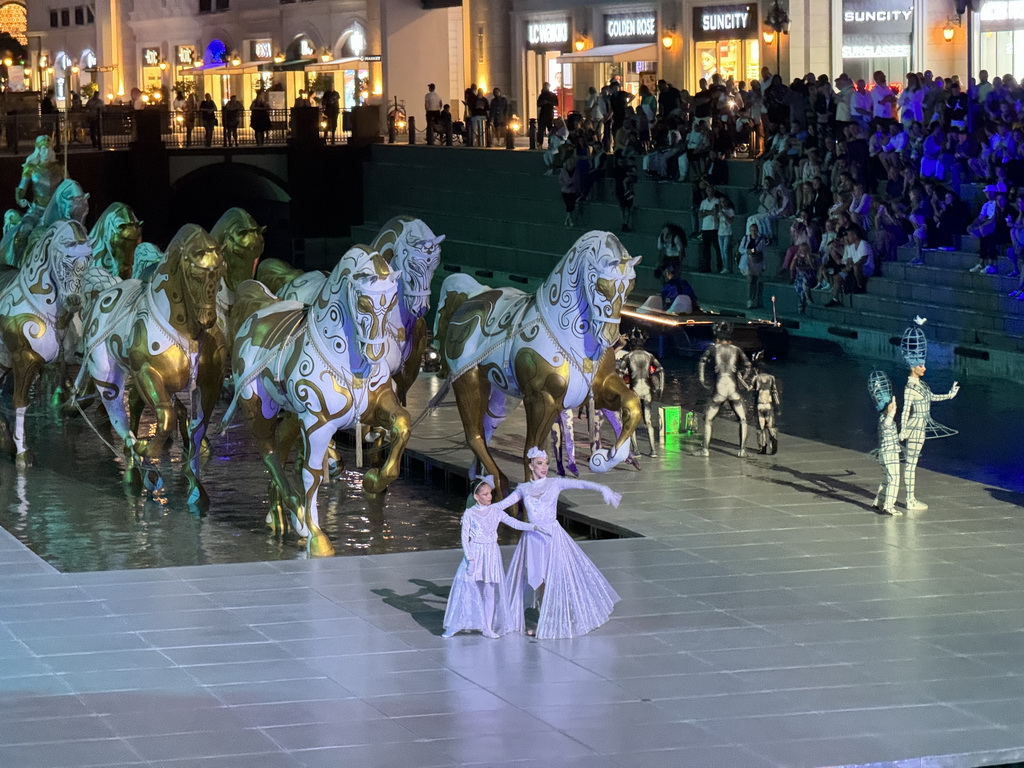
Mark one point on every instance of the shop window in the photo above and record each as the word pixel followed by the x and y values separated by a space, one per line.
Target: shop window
pixel 54 19
pixel 65 17
pixel 89 18
pixel 79 16
pixel 223 5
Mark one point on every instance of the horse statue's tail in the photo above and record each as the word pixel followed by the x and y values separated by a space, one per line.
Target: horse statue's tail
pixel 276 274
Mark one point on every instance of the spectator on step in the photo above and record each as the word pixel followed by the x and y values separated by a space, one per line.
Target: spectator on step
pixel 859 259
pixel 547 102
pixel 671 248
pixel 752 253
pixel 432 107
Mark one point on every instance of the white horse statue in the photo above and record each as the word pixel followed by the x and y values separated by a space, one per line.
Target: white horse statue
pixel 160 335
pixel 547 348
pixel 324 362
pixel 37 304
pixel 411 248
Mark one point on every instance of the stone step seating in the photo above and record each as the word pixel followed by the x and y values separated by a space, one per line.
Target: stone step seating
pixel 517 236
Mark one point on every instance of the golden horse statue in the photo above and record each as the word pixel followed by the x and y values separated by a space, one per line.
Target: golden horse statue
pixel 549 349
pixel 37 304
pixel 161 335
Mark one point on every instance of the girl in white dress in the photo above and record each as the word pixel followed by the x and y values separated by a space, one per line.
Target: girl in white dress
pixel 574 597
pixel 471 603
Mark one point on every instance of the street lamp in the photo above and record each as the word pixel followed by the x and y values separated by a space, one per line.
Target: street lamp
pixel 778 20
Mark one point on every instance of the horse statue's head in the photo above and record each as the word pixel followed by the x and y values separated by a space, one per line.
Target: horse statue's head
pixel 413 249
pixel 367 288
pixel 113 239
pixel 194 268
pixel 590 285
pixel 240 240
pixel 56 263
pixel 69 201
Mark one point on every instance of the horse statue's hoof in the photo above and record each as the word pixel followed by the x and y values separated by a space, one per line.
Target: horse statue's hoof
pixel 198 499
pixel 573 470
pixel 152 481
pixel 318 545
pixel 373 482
pixel 603 460
pixel 634 462
pixel 25 459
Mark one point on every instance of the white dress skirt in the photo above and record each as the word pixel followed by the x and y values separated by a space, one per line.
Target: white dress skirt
pixel 480 568
pixel 577 597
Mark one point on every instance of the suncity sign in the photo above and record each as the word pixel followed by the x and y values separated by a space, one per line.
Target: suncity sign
pixel 544 33
pixel 870 17
pixel 877 17
pixel 631 27
pixel 725 22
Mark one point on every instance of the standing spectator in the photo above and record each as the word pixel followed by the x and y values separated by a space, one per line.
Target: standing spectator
pixel 499 114
pixel 569 189
pixel 883 101
pixel 330 102
pixel 188 117
pixel 208 117
pixel 625 192
pixel 844 103
pixel 469 101
pixel 479 119
pixel 232 117
pixel 671 248
pixel 911 102
pixel 94 108
pixel 259 117
pixel 862 105
pixel 752 248
pixel 546 104
pixel 708 213
pixel 956 108
pixel 726 218
pixel 432 106
pixel 619 100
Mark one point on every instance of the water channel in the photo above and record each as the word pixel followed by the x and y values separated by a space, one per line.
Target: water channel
pixel 71 508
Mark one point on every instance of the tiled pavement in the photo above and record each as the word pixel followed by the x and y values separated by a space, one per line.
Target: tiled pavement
pixel 769 618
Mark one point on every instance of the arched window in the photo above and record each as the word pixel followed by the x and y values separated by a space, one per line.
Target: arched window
pixel 353 41
pixel 215 53
pixel 14 21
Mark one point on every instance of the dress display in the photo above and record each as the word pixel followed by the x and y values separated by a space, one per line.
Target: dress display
pixel 471 603
pixel 576 596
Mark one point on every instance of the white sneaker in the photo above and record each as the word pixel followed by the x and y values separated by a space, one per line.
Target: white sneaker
pixel 990 270
pixel 915 505
pixel 977 267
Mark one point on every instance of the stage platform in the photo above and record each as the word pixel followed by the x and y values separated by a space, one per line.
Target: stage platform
pixel 769 617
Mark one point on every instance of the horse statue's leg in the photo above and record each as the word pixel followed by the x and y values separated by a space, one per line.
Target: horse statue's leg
pixel 264 428
pixel 405 376
pixel 315 439
pixel 542 411
pixel 27 365
pixel 109 381
pixel 209 380
pixel 473 395
pixel 385 412
pixel 611 393
pixel 647 405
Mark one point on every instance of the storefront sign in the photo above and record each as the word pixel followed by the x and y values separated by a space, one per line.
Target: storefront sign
pixel 877 29
pixel 877 17
pixel 547 34
pixel 639 27
pixel 306 48
pixel 151 57
pixel 1001 14
pixel 186 56
pixel 726 22
pixel 261 50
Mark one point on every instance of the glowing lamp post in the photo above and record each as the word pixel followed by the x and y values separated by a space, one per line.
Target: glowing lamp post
pixel 778 21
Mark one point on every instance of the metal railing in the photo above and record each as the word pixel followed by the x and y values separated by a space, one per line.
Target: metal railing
pixel 118 127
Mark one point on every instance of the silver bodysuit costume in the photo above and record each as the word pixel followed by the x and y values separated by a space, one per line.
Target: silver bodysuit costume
pixel 647 380
pixel 732 368
pixel 768 405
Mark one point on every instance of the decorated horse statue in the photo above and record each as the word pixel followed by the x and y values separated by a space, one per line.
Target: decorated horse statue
pixel 324 362
pixel 411 248
pixel 113 238
pixel 69 202
pixel 240 240
pixel 547 348
pixel 159 335
pixel 37 303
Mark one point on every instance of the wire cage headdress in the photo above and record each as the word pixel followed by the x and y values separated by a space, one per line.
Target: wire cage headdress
pixel 880 389
pixel 914 345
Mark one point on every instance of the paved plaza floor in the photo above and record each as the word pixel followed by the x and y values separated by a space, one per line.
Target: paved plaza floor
pixel 769 617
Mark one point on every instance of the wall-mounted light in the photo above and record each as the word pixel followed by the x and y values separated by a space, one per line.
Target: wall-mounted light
pixel 75 69
pixel 325 56
pixel 668 38
pixel 768 36
pixel 8 61
pixel 236 60
pixel 947 32
pixel 163 65
pixel 278 58
pixel 580 44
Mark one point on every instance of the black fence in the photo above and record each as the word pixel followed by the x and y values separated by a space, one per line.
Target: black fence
pixel 118 127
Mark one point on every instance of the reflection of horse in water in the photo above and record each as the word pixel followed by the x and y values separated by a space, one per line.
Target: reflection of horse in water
pixel 502 345
pixel 325 364
pixel 37 304
pixel 159 335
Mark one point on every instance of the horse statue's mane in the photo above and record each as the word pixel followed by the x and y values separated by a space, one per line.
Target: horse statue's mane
pixel 63 202
pixel 103 233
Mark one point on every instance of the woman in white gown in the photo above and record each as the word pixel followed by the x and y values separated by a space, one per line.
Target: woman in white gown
pixel 471 603
pixel 574 597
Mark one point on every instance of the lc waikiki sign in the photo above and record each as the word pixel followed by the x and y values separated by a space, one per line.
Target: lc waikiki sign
pixel 547 34
pixel 725 22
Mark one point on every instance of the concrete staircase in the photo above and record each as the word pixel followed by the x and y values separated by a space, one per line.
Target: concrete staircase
pixel 503 219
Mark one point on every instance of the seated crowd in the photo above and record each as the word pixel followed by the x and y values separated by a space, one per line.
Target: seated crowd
pixel 854 171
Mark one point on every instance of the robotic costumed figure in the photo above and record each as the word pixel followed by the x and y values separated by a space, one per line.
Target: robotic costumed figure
pixel 880 389
pixel 769 405
pixel 916 423
pixel 646 377
pixel 732 369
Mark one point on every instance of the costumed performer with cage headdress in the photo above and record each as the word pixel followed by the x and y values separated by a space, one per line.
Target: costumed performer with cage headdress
pixel 472 603
pixel 916 423
pixel 574 596
pixel 880 389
